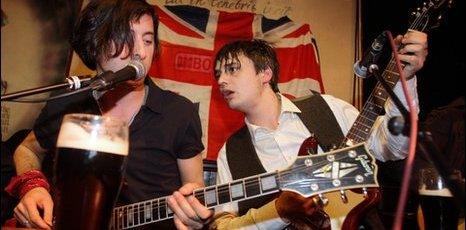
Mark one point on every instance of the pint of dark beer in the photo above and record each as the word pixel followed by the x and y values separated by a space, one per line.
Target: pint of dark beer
pixel 89 164
pixel 438 206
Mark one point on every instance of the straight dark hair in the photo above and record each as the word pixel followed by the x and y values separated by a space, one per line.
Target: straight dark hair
pixel 259 51
pixel 104 23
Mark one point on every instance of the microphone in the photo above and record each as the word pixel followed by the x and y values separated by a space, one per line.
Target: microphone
pixel 135 70
pixel 370 56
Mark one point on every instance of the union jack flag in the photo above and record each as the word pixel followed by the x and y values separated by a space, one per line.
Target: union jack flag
pixel 190 37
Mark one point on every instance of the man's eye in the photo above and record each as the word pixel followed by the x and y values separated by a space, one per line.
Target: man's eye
pixel 217 74
pixel 148 42
pixel 231 69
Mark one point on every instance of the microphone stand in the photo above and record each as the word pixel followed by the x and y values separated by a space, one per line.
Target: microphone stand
pixel 73 82
pixel 426 143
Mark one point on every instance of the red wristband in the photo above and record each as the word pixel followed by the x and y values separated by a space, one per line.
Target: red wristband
pixel 21 184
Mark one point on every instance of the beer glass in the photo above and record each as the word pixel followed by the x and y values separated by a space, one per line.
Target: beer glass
pixel 438 206
pixel 88 168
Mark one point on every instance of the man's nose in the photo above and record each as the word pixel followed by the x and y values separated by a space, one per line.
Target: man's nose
pixel 139 50
pixel 221 81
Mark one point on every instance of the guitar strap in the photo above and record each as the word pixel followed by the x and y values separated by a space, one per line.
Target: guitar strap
pixel 242 157
pixel 320 121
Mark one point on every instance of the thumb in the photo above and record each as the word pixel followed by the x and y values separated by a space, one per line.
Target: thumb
pixel 47 206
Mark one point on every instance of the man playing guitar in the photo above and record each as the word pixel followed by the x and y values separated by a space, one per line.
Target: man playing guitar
pixel 247 73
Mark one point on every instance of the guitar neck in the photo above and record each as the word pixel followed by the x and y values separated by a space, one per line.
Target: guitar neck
pixel 360 131
pixel 155 210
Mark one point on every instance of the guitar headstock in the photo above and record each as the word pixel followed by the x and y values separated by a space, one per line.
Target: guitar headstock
pixel 346 168
pixel 430 14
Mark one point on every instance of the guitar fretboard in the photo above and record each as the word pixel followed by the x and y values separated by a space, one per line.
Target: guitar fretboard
pixel 155 210
pixel 374 106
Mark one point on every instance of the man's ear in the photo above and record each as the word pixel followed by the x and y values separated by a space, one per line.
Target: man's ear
pixel 266 75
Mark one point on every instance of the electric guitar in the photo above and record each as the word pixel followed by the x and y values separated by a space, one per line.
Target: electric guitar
pixel 346 168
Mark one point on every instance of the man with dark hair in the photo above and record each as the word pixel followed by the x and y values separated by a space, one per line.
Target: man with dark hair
pixel 247 73
pixel 165 130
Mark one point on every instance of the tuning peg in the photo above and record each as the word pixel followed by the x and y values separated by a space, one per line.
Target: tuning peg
pixel 343 196
pixel 323 199
pixel 320 200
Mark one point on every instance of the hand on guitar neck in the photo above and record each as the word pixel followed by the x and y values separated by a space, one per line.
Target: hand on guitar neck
pixel 301 212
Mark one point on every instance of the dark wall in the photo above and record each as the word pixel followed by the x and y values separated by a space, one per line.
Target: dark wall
pixel 439 80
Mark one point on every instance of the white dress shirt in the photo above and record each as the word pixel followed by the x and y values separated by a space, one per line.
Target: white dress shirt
pixel 278 149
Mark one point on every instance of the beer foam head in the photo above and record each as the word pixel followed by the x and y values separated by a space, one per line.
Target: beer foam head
pixel 75 136
pixel 445 192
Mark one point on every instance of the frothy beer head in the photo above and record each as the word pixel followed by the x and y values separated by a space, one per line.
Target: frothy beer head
pixel 90 133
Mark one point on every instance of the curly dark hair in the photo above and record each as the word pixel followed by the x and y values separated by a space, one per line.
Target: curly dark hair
pixel 259 51
pixel 106 22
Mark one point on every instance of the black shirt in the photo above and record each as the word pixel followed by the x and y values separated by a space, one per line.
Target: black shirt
pixel 166 128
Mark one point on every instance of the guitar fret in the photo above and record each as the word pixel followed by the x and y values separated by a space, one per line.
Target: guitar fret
pixel 268 183
pixel 237 190
pixel 129 216
pixel 359 137
pixel 253 187
pixel 371 114
pixel 229 192
pixel 260 184
pixel 379 100
pixel 361 127
pixel 365 120
pixel 124 218
pixel 382 94
pixel 155 209
pixel 116 219
pixel 135 215
pixel 210 197
pixel 124 223
pixel 140 212
pixel 199 194
pixel 162 208
pixel 223 192
pixel 392 72
pixel 147 211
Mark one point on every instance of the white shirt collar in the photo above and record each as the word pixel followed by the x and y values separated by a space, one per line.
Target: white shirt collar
pixel 286 107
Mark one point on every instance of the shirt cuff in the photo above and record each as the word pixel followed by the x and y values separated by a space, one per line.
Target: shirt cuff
pixel 267 217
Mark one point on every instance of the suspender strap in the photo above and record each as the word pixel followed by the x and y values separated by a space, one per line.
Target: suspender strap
pixel 320 120
pixel 244 162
